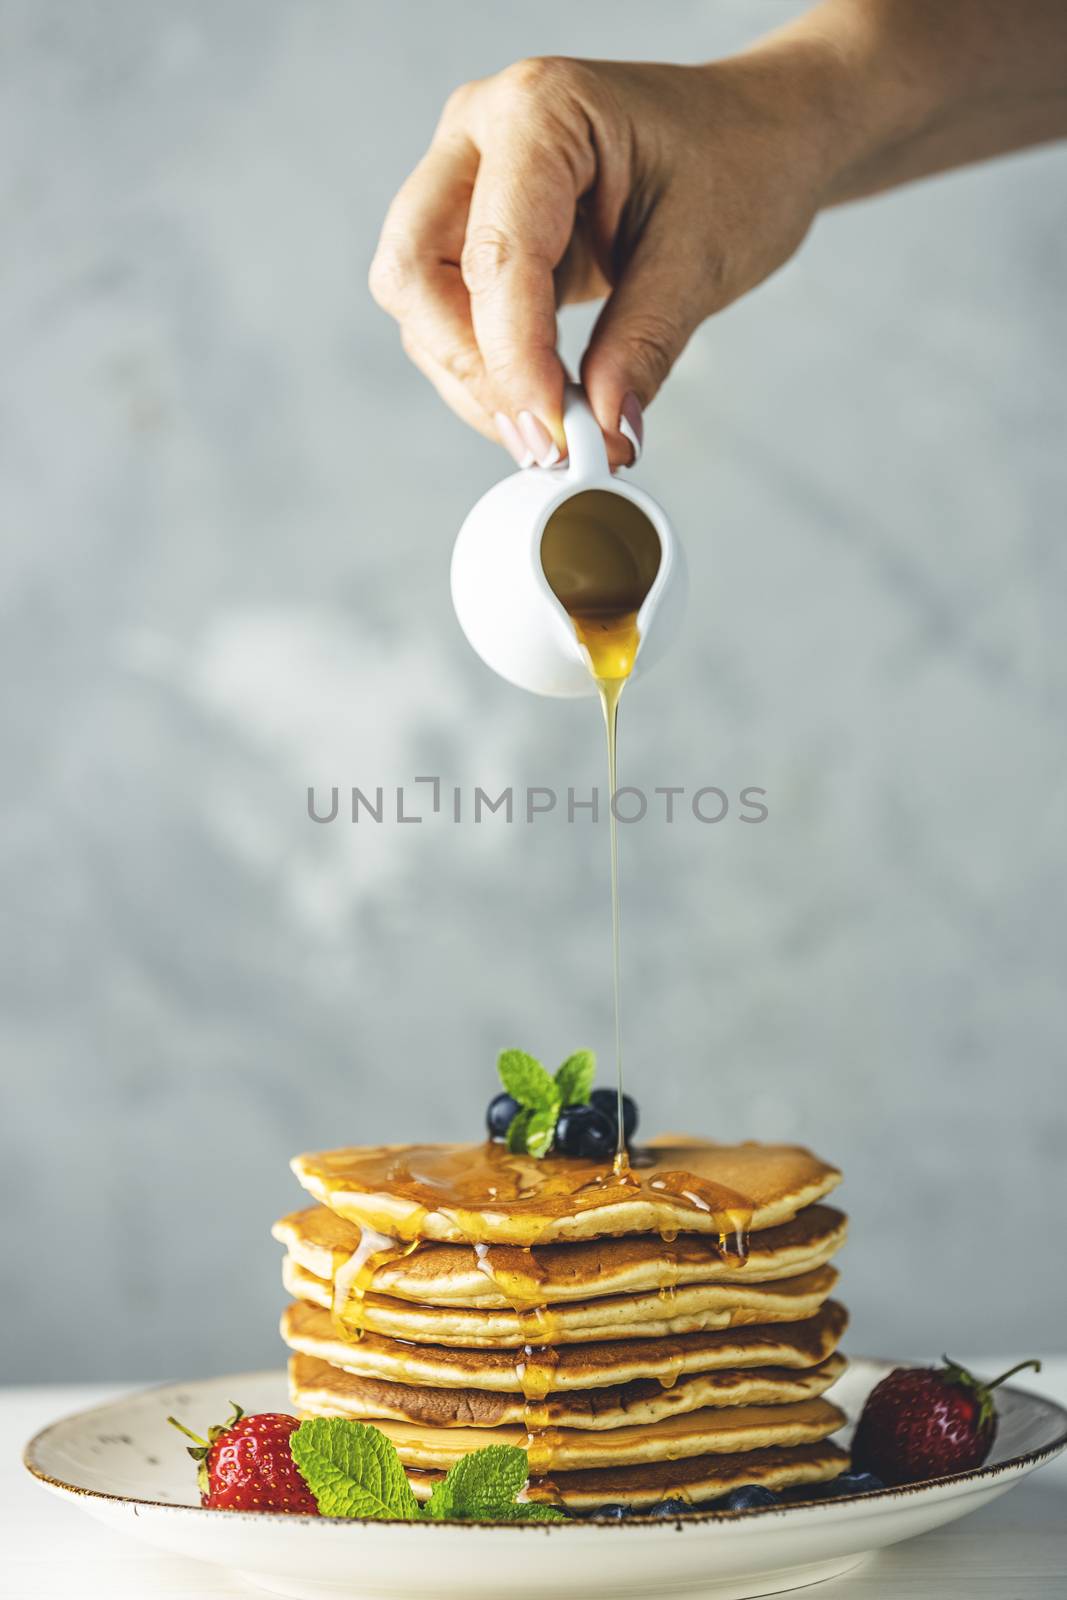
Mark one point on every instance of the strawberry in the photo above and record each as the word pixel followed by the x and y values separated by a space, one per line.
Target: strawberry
pixel 926 1422
pixel 246 1464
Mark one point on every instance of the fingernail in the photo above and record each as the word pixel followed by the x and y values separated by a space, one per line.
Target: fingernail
pixel 512 440
pixel 632 425
pixel 538 440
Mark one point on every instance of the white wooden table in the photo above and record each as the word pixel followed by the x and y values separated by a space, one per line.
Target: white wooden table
pixel 1015 1549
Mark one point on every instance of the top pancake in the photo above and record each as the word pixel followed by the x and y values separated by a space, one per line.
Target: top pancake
pixel 483 1194
pixel 500 1275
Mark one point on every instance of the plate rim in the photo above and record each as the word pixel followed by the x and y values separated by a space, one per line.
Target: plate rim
pixel 696 1518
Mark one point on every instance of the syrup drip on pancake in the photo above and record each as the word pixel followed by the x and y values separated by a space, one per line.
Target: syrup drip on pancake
pixel 352 1279
pixel 726 1206
pixel 537 1360
pixel 669 1378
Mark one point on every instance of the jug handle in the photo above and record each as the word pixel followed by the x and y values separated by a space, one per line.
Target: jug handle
pixel 586 452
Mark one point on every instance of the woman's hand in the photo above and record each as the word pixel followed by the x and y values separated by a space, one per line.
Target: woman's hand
pixel 672 190
pixel 669 189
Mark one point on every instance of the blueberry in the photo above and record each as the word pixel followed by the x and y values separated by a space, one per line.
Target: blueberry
pixel 750 1495
pixel 502 1108
pixel 613 1512
pixel 607 1101
pixel 670 1508
pixel 584 1131
pixel 855 1483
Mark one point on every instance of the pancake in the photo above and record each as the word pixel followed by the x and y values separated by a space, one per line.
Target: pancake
pixel 500 1275
pixel 320 1390
pixel 688 1309
pixel 795 1346
pixel 696 1478
pixel 439 1192
pixel 644 1400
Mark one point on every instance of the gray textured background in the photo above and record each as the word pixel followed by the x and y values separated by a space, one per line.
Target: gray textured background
pixel 228 505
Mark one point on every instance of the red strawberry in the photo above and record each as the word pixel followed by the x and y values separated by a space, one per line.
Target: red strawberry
pixel 926 1422
pixel 246 1464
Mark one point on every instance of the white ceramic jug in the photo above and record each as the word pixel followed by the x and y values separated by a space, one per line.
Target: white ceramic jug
pixel 502 598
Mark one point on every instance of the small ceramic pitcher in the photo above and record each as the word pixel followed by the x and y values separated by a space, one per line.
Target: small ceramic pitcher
pixel 502 598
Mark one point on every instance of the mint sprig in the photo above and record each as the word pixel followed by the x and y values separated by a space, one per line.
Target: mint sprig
pixel 353 1470
pixel 542 1096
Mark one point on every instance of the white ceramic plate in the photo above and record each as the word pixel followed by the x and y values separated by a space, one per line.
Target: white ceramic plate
pixel 123 1464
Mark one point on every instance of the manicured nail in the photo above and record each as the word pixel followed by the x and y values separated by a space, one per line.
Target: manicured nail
pixel 512 440
pixel 538 440
pixel 632 425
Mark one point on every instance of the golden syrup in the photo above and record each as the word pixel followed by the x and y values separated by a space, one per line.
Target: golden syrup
pixel 601 555
pixel 669 1274
pixel 669 1378
pixel 352 1279
pixel 535 1370
pixel 541 1447
pixel 514 1272
pixel 474 1185
pixel 732 1211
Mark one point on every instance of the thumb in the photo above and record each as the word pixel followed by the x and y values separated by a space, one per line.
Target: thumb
pixel 642 330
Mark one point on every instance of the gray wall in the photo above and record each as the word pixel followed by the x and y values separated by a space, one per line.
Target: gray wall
pixel 228 505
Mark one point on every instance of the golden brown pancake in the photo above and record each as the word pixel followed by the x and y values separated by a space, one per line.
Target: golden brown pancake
pixel 644 1400
pixel 482 1194
pixel 697 1479
pixel 500 1275
pixel 792 1345
pixel 318 1389
pixel 685 1310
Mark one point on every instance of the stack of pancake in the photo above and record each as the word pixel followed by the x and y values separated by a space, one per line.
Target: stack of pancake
pixel 666 1333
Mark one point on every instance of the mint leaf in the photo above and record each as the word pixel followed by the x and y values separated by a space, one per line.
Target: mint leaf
pixel 530 1511
pixel 526 1079
pixel 481 1484
pixel 352 1469
pixel 574 1079
pixel 517 1132
pixel 541 1130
